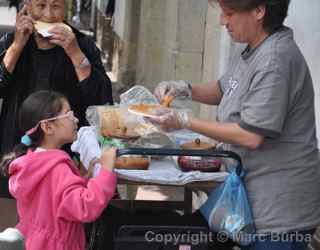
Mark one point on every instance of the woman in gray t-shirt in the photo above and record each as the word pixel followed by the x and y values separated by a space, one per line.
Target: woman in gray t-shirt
pixel 266 114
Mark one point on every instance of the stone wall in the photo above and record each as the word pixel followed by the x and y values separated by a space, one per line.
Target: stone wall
pixel 119 52
pixel 216 55
pixel 165 40
pixel 171 42
pixel 104 37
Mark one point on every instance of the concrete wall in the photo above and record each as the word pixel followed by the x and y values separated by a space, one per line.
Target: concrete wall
pixel 157 40
pixel 304 18
pixel 101 4
pixel 171 41
pixel 124 64
pixel 117 38
pixel 216 55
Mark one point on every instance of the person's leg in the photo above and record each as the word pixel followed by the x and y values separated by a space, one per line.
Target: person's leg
pixel 290 241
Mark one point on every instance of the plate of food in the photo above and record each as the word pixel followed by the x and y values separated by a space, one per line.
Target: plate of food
pixel 147 110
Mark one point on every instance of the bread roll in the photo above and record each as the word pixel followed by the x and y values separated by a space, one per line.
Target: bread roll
pixel 111 119
pixel 43 27
pixel 132 162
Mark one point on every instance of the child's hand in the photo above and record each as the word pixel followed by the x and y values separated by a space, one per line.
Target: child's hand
pixel 91 167
pixel 108 159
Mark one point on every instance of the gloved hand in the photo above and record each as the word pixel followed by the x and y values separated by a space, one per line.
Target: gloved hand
pixel 173 88
pixel 170 119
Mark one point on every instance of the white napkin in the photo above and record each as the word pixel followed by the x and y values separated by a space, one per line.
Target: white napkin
pixel 88 147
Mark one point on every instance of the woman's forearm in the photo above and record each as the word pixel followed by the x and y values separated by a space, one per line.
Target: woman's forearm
pixel 82 71
pixel 11 57
pixel 230 133
pixel 208 93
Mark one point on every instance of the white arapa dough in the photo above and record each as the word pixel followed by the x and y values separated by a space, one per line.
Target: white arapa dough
pixel 43 28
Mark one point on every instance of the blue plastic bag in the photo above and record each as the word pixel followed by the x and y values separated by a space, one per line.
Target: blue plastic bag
pixel 228 211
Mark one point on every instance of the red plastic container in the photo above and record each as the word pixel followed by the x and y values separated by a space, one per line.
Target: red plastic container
pixel 194 163
pixel 198 163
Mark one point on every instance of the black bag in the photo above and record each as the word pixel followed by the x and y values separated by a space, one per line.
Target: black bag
pixel 102 233
pixel 137 237
pixel 120 229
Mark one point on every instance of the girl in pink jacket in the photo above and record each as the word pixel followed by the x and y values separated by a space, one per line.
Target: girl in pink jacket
pixel 53 200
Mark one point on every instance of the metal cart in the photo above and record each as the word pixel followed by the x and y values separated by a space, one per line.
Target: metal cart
pixel 133 236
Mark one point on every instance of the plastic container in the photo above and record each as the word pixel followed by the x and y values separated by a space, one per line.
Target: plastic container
pixel 197 163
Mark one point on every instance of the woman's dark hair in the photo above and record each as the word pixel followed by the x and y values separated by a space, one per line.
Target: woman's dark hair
pixel 38 106
pixel 276 10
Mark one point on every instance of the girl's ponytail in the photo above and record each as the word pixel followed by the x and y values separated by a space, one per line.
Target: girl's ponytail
pixel 37 107
pixel 19 150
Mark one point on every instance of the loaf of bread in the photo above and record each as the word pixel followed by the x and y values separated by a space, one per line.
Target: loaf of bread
pixel 110 120
pixel 132 162
pixel 114 131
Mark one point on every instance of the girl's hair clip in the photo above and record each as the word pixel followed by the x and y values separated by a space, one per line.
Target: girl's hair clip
pixel 26 140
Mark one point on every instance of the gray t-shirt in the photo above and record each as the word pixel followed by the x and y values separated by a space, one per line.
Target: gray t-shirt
pixel 269 91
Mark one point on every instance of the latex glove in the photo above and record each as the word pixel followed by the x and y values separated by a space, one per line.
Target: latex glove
pixel 170 119
pixel 173 88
